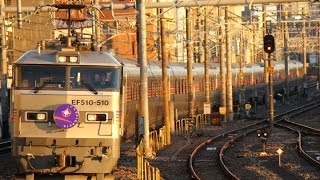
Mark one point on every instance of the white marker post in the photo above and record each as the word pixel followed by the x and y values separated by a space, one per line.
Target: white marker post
pixel 279 151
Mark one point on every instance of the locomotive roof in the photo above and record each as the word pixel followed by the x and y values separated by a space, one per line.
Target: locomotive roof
pixel 86 58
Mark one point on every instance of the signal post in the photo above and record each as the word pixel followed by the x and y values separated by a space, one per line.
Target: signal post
pixel 269 46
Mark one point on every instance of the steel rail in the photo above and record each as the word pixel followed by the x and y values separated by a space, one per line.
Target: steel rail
pixel 289 113
pixel 312 132
pixel 5 145
pixel 279 117
pixel 226 146
pixel 299 142
pixel 202 145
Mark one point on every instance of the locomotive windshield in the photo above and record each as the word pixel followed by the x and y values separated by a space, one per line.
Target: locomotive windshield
pixel 97 78
pixel 42 76
pixel 53 77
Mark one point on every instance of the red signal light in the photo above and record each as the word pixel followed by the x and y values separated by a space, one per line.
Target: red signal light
pixel 268 44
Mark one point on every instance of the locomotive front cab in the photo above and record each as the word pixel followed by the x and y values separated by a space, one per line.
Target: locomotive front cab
pixel 66 113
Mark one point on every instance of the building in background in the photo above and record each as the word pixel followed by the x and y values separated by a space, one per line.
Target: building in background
pixel 117 29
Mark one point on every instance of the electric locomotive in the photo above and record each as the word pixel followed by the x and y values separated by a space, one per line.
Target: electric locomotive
pixel 66 112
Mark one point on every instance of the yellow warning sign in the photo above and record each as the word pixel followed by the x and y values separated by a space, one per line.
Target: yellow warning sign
pixel 222 110
pixel 247 106
pixel 270 69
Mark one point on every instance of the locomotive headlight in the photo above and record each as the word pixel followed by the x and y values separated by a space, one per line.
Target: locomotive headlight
pixel 73 59
pixel 36 116
pixel 62 59
pixel 41 116
pixel 91 117
pixel 97 117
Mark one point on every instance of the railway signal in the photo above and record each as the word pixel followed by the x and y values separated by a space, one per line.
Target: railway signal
pixel 268 44
pixel 263 134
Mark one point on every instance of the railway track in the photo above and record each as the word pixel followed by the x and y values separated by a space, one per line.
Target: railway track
pixel 203 162
pixel 207 159
pixel 308 138
pixel 178 159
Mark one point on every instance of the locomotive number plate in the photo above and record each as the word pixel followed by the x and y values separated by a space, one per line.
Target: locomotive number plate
pixel 89 102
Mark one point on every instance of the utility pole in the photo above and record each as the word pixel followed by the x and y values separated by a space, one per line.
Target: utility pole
pixel 189 64
pixel 97 25
pixel 206 59
pixel 94 27
pixel 266 75
pixel 241 81
pixel 229 68
pixel 206 63
pixel 222 63
pixel 158 40
pixel 264 33
pixel 271 103
pixel 286 51
pixel 165 91
pixel 179 45
pixel 142 56
pixel 241 58
pixel 318 53
pixel 4 73
pixel 304 36
pixel 197 56
pixel 253 55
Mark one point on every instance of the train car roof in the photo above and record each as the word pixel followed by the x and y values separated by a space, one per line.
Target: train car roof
pixel 92 58
pixel 131 68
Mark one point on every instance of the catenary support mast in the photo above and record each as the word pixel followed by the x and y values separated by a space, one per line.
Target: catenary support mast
pixel 222 58
pixel 166 90
pixel 229 67
pixel 189 65
pixel 206 59
pixel 286 51
pixel 142 56
pixel 4 73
